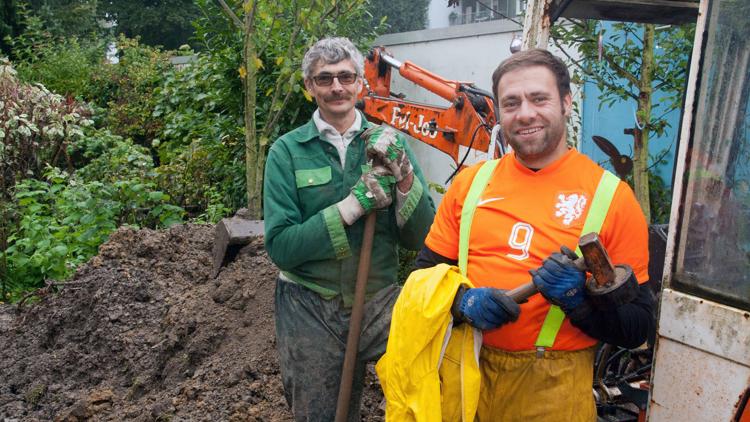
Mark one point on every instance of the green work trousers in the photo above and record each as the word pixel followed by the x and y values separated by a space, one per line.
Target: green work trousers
pixel 311 335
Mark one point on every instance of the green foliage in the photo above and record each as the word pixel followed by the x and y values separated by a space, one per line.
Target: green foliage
pixel 215 209
pixel 107 158
pixel 126 90
pixel 165 23
pixel 10 24
pixel 36 128
pixel 65 66
pixel 60 226
pixel 660 196
pixel 63 219
pixel 201 145
pixel 67 18
pixel 398 15
pixel 619 66
pixel 615 57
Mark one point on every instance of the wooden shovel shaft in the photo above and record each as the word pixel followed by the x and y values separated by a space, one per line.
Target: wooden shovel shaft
pixel 355 323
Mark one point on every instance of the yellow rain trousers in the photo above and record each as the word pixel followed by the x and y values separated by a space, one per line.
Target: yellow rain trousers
pixel 520 387
pixel 425 350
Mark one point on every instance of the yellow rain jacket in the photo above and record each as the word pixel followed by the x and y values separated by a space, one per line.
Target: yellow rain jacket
pixel 425 351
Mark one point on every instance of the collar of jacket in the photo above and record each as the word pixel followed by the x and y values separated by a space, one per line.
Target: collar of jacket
pixel 309 131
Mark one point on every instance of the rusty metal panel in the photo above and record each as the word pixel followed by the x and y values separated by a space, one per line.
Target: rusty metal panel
pixel 670 12
pixel 692 385
pixel 705 325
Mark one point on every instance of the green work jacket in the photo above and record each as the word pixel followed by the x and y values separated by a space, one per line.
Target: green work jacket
pixel 304 234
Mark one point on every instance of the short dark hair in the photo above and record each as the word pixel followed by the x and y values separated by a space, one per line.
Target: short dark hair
pixel 534 57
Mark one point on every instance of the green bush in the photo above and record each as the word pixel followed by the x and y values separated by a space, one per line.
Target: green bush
pixel 65 66
pixel 62 220
pixel 36 128
pixel 201 148
pixel 125 91
pixel 105 157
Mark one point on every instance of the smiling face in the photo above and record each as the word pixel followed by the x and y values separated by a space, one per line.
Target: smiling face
pixel 336 102
pixel 533 116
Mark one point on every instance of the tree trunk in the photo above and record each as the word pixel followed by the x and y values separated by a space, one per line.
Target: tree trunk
pixel 641 135
pixel 254 155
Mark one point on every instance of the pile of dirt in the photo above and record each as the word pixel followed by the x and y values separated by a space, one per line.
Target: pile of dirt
pixel 143 333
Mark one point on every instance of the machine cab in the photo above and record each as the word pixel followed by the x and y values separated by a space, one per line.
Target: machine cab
pixel 702 361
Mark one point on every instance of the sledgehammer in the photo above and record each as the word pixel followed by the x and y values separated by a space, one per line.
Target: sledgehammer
pixel 608 285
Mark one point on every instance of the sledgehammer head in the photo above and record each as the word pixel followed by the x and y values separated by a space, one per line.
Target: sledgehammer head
pixel 609 286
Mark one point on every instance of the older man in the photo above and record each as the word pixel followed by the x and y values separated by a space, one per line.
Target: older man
pixel 320 179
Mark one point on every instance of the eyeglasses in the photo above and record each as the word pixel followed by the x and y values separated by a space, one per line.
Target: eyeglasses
pixel 326 79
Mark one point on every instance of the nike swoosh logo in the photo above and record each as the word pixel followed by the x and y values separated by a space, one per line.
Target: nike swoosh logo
pixel 488 200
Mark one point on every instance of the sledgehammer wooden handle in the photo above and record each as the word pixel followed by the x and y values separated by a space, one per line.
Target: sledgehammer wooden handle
pixel 597 263
pixel 521 293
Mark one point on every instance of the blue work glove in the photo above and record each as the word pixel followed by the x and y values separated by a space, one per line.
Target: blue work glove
pixel 560 281
pixel 486 308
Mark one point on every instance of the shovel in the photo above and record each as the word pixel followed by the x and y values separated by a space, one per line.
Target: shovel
pixel 230 235
pixel 355 323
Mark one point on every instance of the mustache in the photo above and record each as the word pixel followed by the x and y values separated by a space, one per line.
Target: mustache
pixel 336 97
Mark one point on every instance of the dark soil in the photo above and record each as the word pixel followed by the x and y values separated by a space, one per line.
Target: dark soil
pixel 143 333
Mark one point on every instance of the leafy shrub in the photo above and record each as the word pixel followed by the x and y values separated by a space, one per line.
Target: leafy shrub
pixel 77 68
pixel 62 220
pixel 201 148
pixel 105 157
pixel 64 65
pixel 126 90
pixel 36 127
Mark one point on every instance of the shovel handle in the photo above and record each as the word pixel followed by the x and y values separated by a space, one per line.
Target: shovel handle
pixel 355 323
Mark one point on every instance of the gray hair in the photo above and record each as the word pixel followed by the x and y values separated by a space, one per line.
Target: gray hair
pixel 331 51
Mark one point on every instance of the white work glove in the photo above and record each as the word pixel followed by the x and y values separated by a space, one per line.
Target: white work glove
pixel 384 145
pixel 372 191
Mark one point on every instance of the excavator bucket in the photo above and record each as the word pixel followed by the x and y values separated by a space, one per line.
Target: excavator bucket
pixel 230 235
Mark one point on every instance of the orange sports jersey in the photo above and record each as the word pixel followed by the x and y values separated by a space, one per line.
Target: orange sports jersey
pixel 521 218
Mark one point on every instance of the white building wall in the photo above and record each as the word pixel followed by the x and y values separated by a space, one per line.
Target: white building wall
pixel 438 14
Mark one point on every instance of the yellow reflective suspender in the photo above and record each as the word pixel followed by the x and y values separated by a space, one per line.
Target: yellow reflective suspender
pixel 605 191
pixel 481 179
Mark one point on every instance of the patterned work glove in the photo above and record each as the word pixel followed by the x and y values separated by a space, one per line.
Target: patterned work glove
pixel 384 145
pixel 560 282
pixel 372 191
pixel 486 308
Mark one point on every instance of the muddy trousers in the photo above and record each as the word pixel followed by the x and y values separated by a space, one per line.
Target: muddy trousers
pixel 311 337
pixel 519 386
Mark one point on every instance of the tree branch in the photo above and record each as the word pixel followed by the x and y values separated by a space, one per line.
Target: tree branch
pixel 231 15
pixel 661 156
pixel 265 45
pixel 276 112
pixel 619 70
pixel 589 73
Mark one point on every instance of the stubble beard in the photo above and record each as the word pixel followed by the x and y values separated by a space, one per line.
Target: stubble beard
pixel 540 148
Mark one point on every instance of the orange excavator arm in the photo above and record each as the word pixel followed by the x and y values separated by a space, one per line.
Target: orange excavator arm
pixel 463 128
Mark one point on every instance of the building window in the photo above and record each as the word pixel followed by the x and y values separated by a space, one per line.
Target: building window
pixel 473 11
